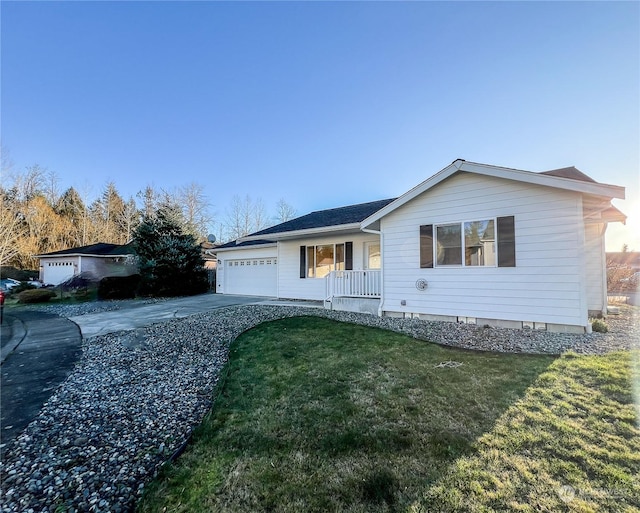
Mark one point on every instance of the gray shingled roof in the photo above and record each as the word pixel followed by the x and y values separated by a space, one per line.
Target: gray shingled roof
pixel 319 219
pixel 331 217
pixel 569 172
pixel 233 244
pixel 99 249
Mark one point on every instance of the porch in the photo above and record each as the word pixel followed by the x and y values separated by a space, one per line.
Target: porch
pixel 353 291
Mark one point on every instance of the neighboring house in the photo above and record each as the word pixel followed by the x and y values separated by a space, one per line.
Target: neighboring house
pixel 474 243
pixel 100 260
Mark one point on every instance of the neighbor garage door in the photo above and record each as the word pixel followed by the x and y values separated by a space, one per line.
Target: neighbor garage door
pixel 57 271
pixel 251 277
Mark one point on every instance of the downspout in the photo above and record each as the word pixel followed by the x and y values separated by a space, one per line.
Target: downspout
pixel 381 235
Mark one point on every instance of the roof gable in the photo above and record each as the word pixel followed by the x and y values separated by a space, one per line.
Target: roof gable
pixel 566 178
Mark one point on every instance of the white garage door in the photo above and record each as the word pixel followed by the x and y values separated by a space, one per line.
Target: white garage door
pixel 58 271
pixel 251 277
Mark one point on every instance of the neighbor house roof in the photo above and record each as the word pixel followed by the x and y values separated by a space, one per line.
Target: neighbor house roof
pixel 568 178
pixel 321 221
pixel 101 249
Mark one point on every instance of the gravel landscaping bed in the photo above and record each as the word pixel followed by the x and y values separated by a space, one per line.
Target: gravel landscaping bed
pixel 135 396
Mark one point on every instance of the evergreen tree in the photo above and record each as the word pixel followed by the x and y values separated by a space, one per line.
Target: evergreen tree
pixel 170 260
pixel 71 207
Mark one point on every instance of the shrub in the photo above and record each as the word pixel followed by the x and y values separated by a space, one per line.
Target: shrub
pixel 118 287
pixel 36 296
pixel 7 271
pixel 599 326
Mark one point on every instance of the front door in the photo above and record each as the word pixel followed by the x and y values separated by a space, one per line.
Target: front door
pixel 372 258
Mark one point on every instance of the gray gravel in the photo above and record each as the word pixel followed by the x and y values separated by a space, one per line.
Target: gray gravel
pixel 135 396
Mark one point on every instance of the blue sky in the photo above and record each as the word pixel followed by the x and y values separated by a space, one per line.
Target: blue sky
pixel 323 104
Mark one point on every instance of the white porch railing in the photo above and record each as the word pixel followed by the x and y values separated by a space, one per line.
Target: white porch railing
pixel 353 284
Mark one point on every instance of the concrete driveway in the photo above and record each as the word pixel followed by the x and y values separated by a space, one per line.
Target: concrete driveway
pixel 134 315
pixel 39 350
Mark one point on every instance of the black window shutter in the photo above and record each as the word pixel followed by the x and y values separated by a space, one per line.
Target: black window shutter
pixel 348 256
pixel 426 246
pixel 506 242
pixel 303 261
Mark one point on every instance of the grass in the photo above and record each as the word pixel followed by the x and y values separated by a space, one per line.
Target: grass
pixel 316 415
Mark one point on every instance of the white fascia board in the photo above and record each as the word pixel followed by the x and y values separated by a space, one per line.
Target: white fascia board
pixel 598 189
pixel 239 248
pixel 299 234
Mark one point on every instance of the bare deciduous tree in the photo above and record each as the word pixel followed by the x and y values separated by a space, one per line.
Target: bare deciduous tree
pixel 244 217
pixel 30 183
pixel 284 211
pixel 51 187
pixel 195 208
pixel 12 230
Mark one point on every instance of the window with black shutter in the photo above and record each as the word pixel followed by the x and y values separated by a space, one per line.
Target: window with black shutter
pixel 506 241
pixel 426 246
pixel 482 243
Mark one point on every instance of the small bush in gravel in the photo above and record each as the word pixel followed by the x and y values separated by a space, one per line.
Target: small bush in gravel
pixel 599 326
pixel 36 296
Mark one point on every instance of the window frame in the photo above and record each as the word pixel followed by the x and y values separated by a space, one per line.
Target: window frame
pixel 463 248
pixel 309 270
pixel 505 243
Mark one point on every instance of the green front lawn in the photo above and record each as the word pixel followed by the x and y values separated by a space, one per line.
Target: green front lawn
pixel 316 415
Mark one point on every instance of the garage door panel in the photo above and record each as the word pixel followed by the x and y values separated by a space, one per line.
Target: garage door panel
pixel 251 277
pixel 58 271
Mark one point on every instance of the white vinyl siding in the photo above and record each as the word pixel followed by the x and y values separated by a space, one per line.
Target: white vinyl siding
pixel 292 286
pixel 546 284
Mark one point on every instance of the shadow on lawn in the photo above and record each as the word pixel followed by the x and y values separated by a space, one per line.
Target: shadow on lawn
pixel 571 443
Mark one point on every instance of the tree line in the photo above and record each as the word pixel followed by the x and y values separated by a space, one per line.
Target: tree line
pixel 37 217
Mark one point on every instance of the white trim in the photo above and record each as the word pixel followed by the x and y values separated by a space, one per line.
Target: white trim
pixel 598 189
pixel 380 233
pixel 582 262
